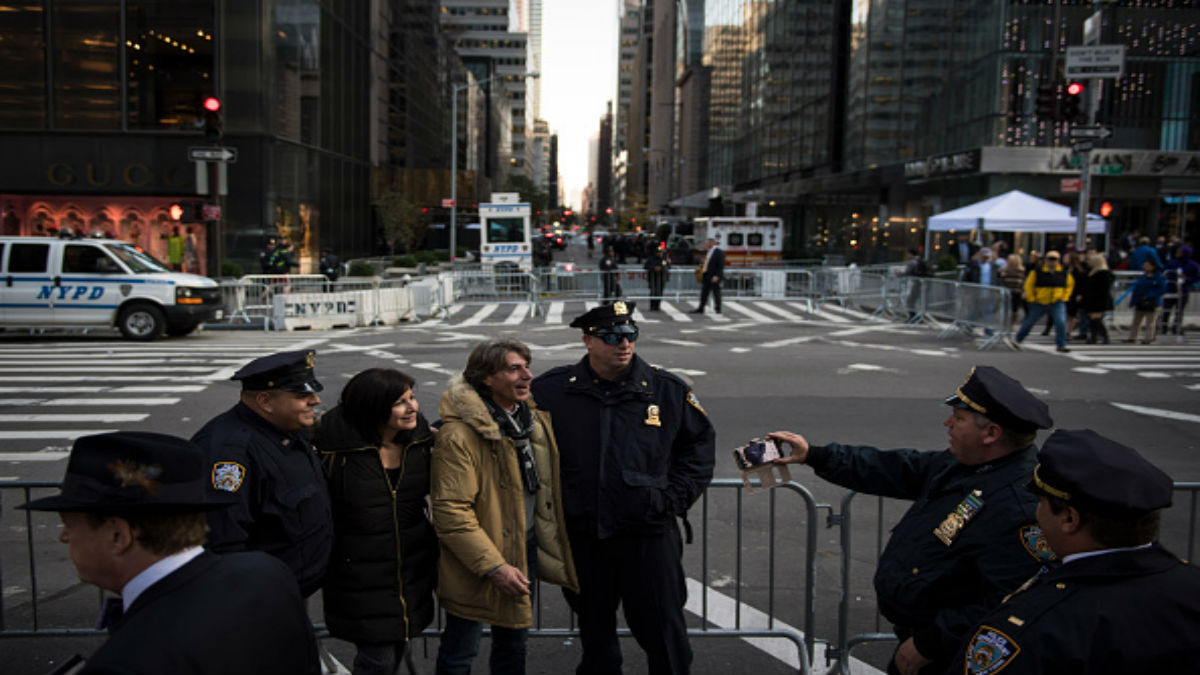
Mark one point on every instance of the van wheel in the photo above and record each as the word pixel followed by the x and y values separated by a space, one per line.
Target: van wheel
pixel 141 322
pixel 179 330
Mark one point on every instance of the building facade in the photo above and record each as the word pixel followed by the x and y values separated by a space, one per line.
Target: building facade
pixel 857 121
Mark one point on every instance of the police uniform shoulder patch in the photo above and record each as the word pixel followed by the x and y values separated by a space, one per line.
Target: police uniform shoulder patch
pixel 989 651
pixel 1034 541
pixel 228 476
pixel 695 402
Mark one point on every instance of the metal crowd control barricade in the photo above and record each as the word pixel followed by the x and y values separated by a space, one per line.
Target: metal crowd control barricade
pixel 1178 533
pixel 499 286
pixel 980 307
pixel 758 523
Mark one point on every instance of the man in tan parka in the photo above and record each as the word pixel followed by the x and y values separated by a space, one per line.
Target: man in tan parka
pixel 497 508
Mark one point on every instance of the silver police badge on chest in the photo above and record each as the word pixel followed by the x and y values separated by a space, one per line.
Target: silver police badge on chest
pixel 958 519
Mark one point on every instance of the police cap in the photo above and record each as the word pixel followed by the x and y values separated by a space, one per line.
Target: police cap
pixel 1001 399
pixel 605 316
pixel 289 371
pixel 133 471
pixel 1099 475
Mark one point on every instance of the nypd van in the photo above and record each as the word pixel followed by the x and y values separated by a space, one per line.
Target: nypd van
pixel 90 283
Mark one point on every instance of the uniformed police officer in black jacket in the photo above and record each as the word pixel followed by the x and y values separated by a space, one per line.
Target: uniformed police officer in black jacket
pixel 1118 603
pixel 970 537
pixel 132 506
pixel 637 451
pixel 260 452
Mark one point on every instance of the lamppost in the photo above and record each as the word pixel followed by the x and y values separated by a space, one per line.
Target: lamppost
pixel 454 155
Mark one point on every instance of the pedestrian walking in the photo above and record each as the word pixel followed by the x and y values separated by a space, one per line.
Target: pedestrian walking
pixel 133 509
pixel 1115 602
pixel 1047 288
pixel 712 272
pixel 1182 276
pixel 658 271
pixel 637 452
pixel 914 270
pixel 497 501
pixel 1145 299
pixel 970 537
pixel 1012 277
pixel 608 274
pixel 375 447
pixel 260 452
pixel 1096 297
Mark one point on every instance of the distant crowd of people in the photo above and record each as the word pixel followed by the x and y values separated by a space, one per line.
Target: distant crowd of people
pixel 1074 289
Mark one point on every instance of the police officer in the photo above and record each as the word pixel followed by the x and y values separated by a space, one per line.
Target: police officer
pixel 260 451
pixel 1118 604
pixel 970 537
pixel 637 451
pixel 132 506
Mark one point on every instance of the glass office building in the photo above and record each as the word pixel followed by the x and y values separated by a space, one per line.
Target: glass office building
pixel 101 101
pixel 856 121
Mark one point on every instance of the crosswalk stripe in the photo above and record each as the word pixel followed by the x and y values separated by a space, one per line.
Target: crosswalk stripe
pixel 483 313
pixel 825 314
pixel 554 314
pixel 768 307
pixel 68 434
pixel 96 368
pixel 70 417
pixel 675 313
pixel 1140 366
pixel 1157 412
pixel 111 401
pixel 51 390
pixel 743 309
pixel 178 389
pixel 517 315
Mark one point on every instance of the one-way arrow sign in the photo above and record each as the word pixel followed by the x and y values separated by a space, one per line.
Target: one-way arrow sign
pixel 212 154
pixel 1094 133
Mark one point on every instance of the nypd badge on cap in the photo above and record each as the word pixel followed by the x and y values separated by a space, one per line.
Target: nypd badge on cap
pixel 605 316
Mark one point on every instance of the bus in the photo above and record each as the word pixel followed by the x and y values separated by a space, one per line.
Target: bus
pixel 504 238
pixel 744 239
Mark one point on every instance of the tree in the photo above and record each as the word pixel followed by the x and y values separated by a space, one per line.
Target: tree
pixel 402 220
pixel 524 186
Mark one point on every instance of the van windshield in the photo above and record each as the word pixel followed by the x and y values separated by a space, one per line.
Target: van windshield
pixel 137 260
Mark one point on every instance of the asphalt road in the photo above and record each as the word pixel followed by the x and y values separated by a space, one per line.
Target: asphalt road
pixel 837 377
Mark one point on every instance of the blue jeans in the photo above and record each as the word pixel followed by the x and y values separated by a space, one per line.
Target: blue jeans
pixel 460 637
pixel 460 645
pixel 1058 313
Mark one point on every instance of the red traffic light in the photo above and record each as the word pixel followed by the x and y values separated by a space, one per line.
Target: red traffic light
pixel 608 211
pixel 1075 88
pixel 211 103
pixel 567 212
pixel 1106 209
pixel 175 211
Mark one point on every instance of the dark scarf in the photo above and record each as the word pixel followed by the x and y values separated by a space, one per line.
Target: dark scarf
pixel 517 426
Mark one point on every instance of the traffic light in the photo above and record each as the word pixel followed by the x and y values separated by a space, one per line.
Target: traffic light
pixel 213 126
pixel 175 212
pixel 1047 101
pixel 1106 209
pixel 186 212
pixel 1072 102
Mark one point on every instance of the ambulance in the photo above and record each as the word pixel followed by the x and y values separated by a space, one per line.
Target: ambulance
pixel 93 283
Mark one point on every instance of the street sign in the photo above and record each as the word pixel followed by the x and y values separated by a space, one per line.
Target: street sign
pixel 1069 185
pixel 1083 146
pixel 1100 61
pixel 210 211
pixel 1094 133
pixel 448 203
pixel 212 154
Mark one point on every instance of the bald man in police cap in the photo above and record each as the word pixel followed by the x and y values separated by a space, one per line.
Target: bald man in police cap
pixel 1118 603
pixel 971 536
pixel 636 452
pixel 260 452
pixel 132 506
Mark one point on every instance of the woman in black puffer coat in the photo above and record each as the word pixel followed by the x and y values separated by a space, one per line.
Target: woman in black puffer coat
pixel 375 448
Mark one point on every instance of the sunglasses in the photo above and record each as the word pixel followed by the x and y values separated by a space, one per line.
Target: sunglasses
pixel 614 335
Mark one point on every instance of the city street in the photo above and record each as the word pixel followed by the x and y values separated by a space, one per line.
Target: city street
pixel 834 375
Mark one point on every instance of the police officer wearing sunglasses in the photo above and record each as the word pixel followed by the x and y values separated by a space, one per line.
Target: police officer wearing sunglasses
pixel 637 451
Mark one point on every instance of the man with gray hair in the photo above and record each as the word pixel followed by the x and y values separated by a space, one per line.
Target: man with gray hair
pixel 497 508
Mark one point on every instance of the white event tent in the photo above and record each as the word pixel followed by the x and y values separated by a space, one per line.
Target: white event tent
pixel 1013 211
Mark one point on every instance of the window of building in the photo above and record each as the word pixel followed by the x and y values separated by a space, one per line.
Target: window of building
pixel 169 59
pixel 22 60
pixel 86 70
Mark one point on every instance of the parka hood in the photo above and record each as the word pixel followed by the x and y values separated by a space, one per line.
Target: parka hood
pixel 460 402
